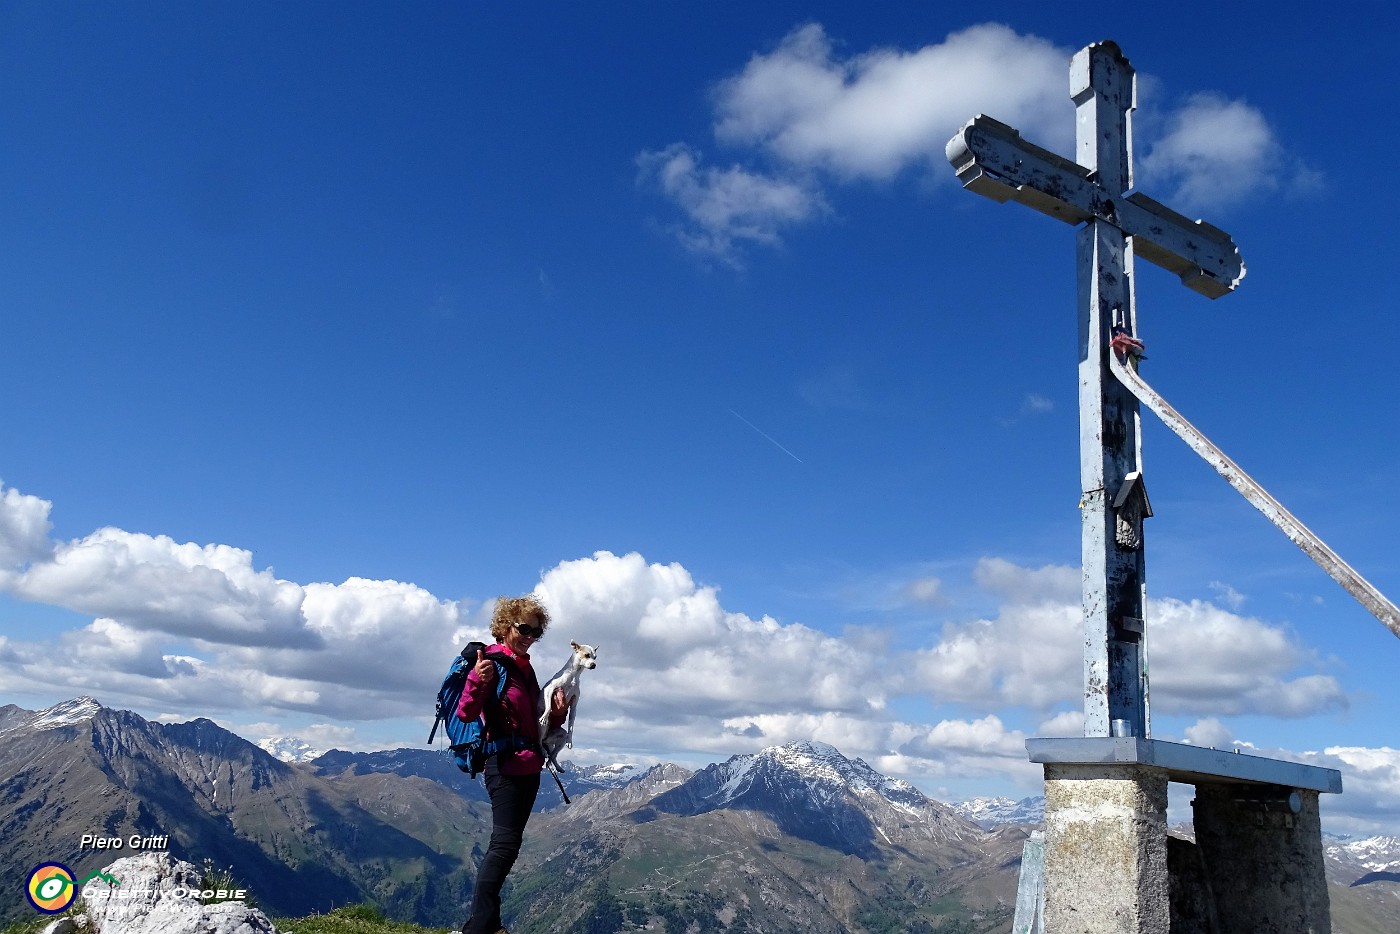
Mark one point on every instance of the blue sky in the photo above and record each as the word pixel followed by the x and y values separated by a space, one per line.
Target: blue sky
pixel 327 323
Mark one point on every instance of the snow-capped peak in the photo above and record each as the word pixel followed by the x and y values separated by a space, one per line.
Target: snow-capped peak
pixel 69 713
pixel 1378 854
pixel 289 749
pixel 816 763
pixel 992 812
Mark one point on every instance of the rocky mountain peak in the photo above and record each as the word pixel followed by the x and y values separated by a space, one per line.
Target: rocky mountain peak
pixel 811 790
pixel 290 749
pixel 1377 854
pixel 68 713
pixel 994 812
pixel 817 764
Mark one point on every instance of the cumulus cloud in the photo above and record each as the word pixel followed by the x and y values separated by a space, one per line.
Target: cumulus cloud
pixel 1372 780
pixel 249 638
pixel 155 583
pixel 1228 595
pixel 678 659
pixel 1209 732
pixel 1216 152
pixel 729 206
pixel 1030 654
pixel 806 111
pixel 199 628
pixel 1198 652
pixel 24 530
pixel 925 590
pixel 814 115
pixel 873 114
pixel 674 654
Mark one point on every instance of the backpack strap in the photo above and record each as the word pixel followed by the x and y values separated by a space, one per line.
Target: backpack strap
pixel 497 740
pixel 454 683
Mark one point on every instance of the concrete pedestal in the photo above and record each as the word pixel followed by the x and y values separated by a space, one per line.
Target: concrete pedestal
pixel 1106 850
pixel 1266 866
pixel 1256 867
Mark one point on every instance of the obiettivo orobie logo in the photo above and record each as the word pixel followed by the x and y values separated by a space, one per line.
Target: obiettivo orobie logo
pixel 51 887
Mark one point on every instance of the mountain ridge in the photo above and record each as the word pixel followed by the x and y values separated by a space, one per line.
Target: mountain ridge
pixel 793 839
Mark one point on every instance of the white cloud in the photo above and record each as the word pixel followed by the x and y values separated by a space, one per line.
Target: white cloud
pixel 927 591
pixel 1228 595
pixel 813 115
pixel 107 644
pixel 1217 152
pixel 154 583
pixel 195 627
pixel 959 749
pixel 1371 789
pixel 1065 723
pixel 673 653
pixel 1211 733
pixel 876 113
pixel 724 207
pixel 250 638
pixel 1030 654
pixel 987 736
pixel 24 530
pixel 1206 660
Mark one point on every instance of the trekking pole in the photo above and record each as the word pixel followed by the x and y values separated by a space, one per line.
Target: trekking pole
pixel 555 776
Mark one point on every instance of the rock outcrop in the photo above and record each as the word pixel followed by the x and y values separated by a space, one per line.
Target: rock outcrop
pixel 157 895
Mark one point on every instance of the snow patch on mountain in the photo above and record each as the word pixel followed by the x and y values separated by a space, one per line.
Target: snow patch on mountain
pixel 1377 854
pixel 69 713
pixel 614 775
pixel 994 812
pixel 820 765
pixel 289 749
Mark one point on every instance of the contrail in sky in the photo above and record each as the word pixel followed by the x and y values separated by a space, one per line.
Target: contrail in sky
pixel 762 432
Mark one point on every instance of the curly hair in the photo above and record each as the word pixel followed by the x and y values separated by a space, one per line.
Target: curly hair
pixel 512 610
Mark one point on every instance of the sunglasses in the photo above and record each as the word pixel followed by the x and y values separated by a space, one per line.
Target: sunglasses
pixel 529 632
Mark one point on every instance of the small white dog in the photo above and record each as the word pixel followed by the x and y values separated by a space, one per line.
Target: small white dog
pixel 566 680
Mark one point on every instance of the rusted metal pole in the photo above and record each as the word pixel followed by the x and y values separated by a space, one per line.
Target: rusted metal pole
pixel 1314 547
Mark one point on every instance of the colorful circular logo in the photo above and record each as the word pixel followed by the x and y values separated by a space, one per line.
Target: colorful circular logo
pixel 50 888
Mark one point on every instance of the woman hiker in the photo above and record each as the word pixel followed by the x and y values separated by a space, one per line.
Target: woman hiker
pixel 513 773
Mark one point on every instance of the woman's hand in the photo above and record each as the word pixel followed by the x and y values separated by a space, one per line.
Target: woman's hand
pixel 558 705
pixel 485 670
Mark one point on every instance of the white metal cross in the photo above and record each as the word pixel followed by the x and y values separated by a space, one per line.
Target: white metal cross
pixel 992 159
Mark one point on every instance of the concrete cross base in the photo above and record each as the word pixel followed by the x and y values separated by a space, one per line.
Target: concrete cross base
pixel 1106 850
pixel 1264 863
pixel 1256 866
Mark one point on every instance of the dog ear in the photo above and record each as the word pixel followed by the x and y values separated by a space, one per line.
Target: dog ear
pixel 573 643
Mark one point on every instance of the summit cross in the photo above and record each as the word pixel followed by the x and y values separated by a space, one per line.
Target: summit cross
pixel 992 159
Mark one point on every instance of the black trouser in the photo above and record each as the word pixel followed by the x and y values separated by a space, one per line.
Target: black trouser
pixel 512 797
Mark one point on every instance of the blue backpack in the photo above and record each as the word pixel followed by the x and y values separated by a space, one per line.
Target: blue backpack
pixel 470 746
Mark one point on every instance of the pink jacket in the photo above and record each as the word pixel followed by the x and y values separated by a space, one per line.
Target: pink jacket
pixel 518 714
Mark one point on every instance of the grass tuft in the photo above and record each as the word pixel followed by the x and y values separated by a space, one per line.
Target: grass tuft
pixel 352 919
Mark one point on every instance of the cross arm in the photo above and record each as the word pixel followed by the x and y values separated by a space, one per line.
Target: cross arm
pixel 992 159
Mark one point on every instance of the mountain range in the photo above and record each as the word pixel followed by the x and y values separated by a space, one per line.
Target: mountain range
pixel 795 838
pixel 300 841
